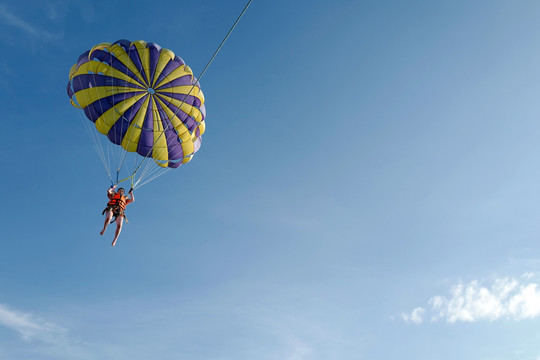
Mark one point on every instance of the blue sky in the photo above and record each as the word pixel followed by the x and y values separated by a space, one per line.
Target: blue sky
pixel 367 187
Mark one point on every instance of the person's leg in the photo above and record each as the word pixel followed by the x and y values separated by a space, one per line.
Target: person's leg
pixel 108 217
pixel 119 222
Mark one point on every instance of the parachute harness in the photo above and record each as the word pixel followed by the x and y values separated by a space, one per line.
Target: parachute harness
pixel 117 205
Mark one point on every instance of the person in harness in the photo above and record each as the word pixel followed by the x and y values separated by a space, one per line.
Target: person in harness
pixel 115 209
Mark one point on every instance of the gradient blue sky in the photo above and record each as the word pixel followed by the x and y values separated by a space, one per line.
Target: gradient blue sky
pixel 367 187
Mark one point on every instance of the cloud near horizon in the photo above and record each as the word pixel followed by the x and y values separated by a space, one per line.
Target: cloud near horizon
pixel 505 298
pixel 28 326
pixel 43 337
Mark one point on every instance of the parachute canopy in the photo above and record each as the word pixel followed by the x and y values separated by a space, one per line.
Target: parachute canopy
pixel 144 98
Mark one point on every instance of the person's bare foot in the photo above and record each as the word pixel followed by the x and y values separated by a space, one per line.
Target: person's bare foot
pixel 114 242
pixel 102 232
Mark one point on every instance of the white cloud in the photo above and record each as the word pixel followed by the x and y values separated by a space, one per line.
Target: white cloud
pixel 50 338
pixel 528 275
pixel 28 326
pixel 416 316
pixel 504 298
pixel 9 18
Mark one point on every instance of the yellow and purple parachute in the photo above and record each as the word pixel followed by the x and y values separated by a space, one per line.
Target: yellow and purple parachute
pixel 145 100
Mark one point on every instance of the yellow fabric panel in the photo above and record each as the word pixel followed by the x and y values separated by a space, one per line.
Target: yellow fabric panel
pixel 188 148
pixel 140 44
pixel 160 151
pixel 72 71
pixel 185 89
pixel 145 59
pixel 178 103
pixel 165 57
pixel 106 121
pixel 185 136
pixel 187 159
pixel 192 111
pixel 200 95
pixel 91 66
pixel 183 131
pixel 124 58
pixel 74 105
pixel 188 70
pixel 196 114
pixel 105 45
pixel 96 67
pixel 161 163
pixel 175 74
pixel 201 127
pixel 109 117
pixel 87 96
pixel 133 133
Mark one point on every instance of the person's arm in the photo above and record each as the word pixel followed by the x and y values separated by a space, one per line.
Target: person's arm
pixel 110 192
pixel 131 197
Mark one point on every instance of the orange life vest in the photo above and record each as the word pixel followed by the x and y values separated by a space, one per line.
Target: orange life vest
pixel 118 201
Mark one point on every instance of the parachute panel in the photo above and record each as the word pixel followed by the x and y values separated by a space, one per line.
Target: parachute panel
pixel 142 97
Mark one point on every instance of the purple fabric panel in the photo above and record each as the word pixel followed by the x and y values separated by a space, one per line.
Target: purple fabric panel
pixel 196 82
pixel 153 45
pixel 130 113
pixel 118 65
pixel 80 82
pixel 100 106
pixel 148 123
pixel 203 111
pixel 189 99
pixel 197 144
pixel 123 43
pixel 173 145
pixel 146 141
pixel 104 104
pixel 83 58
pixel 191 124
pixel 90 113
pixel 102 55
pixel 170 67
pixel 183 80
pixel 180 114
pixel 107 58
pixel 173 142
pixel 174 165
pixel 116 98
pixel 154 50
pixel 85 81
pixel 179 60
pixel 118 130
pixel 144 147
pixel 69 90
pixel 134 56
